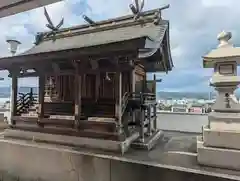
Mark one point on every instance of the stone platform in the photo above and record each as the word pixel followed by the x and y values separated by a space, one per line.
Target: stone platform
pixel 149 141
pixel 92 143
pixel 219 148
pixel 174 158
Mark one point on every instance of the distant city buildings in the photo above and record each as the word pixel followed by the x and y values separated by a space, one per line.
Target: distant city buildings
pixel 186 105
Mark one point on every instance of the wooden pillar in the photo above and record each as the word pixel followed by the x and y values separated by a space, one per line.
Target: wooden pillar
pixel 118 104
pixel 116 89
pixel 133 89
pixel 14 92
pixel 133 80
pixel 155 118
pixel 120 97
pixel 155 107
pixel 149 117
pixel 98 75
pixel 144 83
pixel 154 84
pixel 78 98
pixel 142 120
pixel 41 96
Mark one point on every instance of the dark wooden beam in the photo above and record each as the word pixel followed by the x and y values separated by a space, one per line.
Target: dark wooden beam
pixel 94 64
pixel 41 92
pixel 114 61
pixel 82 70
pixel 11 5
pixel 126 48
pixel 74 63
pixel 14 70
pixel 37 74
pixel 107 69
pixel 14 92
pixel 78 98
pixel 69 132
pixel 55 67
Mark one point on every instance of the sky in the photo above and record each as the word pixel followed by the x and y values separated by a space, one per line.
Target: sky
pixel 194 26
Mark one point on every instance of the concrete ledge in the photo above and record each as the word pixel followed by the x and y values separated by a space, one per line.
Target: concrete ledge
pixel 224 121
pixel 224 125
pixel 107 145
pixel 221 139
pixel 25 161
pixel 149 142
pixel 217 157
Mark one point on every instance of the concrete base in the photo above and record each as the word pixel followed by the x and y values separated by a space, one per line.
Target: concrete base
pixel 224 121
pixel 219 148
pixel 217 157
pixel 30 161
pixel 221 139
pixel 107 145
pixel 149 142
pixel 27 161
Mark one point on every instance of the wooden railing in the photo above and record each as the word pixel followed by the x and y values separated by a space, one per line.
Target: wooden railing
pixel 143 97
pixel 148 116
pixel 124 102
pixel 25 101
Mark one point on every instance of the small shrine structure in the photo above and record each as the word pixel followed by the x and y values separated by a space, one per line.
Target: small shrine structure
pixel 219 145
pixel 93 90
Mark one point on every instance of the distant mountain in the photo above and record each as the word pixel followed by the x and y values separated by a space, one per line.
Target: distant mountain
pixel 189 95
pixel 5 92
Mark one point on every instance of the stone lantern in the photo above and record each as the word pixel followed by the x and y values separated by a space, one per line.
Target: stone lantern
pixel 219 145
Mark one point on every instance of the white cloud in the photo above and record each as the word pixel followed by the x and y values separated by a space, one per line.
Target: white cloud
pixel 219 3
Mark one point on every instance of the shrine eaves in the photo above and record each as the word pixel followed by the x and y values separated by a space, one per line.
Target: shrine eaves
pixel 11 7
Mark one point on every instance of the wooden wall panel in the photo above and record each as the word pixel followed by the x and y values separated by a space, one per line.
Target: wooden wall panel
pixel 107 87
pixel 60 88
pixel 140 75
pixel 88 86
pixel 126 82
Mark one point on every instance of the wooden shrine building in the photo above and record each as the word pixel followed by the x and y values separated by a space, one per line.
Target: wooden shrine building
pixel 93 89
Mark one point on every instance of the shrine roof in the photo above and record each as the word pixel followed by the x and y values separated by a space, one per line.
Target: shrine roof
pixel 150 31
pixel 81 38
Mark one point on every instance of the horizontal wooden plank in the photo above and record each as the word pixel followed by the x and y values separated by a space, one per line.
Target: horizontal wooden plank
pixel 108 126
pixel 69 132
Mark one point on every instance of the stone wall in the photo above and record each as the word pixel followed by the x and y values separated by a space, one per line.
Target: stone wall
pixel 184 122
pixel 22 161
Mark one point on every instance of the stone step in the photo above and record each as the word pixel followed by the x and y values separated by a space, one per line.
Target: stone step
pixel 221 139
pixel 217 157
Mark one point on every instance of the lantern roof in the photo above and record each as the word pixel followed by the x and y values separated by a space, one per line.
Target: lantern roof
pixel 224 52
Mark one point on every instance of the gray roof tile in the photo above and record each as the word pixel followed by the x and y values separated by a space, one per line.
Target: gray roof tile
pixel 154 32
